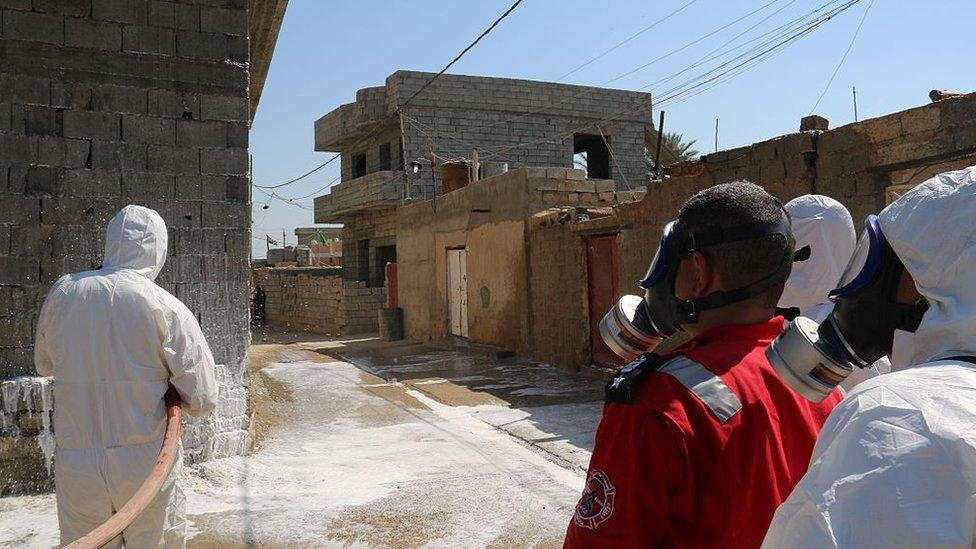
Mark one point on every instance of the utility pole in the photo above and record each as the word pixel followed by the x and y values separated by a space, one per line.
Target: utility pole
pixel 657 154
pixel 282 239
pixel 854 91
pixel 475 165
pixel 716 135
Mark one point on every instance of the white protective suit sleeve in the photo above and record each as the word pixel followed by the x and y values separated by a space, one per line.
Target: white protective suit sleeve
pixel 824 225
pixel 188 358
pixel 895 464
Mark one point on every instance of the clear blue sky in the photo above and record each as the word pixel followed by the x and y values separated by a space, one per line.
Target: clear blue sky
pixel 329 49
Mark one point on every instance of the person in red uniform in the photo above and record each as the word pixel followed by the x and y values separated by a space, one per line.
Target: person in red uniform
pixel 698 446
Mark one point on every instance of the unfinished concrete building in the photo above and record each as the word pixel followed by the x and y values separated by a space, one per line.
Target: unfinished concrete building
pixel 105 103
pixel 392 139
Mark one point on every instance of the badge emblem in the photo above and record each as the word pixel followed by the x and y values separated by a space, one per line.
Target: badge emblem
pixel 596 504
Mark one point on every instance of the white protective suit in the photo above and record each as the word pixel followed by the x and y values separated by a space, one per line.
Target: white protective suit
pixel 895 464
pixel 114 342
pixel 824 225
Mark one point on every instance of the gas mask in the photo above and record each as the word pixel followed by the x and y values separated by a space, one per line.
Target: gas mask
pixel 813 359
pixel 635 326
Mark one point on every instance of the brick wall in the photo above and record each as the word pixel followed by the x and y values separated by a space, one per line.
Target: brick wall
pixel 109 102
pixel 317 300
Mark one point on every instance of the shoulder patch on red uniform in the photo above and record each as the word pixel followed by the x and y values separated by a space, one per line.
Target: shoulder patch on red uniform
pixel 596 504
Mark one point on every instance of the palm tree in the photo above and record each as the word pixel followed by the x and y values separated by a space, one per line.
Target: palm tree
pixel 682 149
pixel 674 149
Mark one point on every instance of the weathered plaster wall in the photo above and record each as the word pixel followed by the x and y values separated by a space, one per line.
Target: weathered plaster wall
pixel 863 165
pixel 489 218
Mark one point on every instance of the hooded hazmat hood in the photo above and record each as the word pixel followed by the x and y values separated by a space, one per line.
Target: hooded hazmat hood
pixel 932 229
pixel 136 240
pixel 825 225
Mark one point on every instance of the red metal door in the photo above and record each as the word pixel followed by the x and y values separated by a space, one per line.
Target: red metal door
pixel 602 291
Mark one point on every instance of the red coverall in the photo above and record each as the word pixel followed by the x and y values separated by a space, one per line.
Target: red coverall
pixel 711 443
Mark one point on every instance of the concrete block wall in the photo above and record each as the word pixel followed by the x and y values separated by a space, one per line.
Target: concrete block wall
pixel 317 300
pixel 379 226
pixel 109 102
pixel 533 120
pixel 307 299
pixel 361 305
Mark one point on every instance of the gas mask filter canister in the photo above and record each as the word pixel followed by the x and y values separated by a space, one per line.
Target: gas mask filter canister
pixel 813 359
pixel 636 325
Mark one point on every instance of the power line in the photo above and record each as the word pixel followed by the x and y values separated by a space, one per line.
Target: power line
pixel 628 39
pixel 464 51
pixel 714 74
pixel 843 58
pixel 303 176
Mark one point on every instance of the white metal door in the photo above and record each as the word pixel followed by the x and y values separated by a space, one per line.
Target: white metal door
pixel 457 291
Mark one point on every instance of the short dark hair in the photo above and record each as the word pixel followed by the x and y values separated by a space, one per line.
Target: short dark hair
pixel 741 263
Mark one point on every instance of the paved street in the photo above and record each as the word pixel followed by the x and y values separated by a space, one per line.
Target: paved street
pixel 361 443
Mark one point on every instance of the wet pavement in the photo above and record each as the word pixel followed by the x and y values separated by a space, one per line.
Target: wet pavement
pixel 362 443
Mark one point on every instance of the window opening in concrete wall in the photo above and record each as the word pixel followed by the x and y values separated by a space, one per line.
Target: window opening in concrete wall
pixel 384 255
pixel 594 152
pixel 385 157
pixel 358 165
pixel 362 260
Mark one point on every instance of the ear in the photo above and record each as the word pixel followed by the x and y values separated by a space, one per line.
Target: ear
pixel 705 276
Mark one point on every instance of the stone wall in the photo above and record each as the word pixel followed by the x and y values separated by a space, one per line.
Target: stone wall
pixel 864 165
pixel 317 300
pixel 104 103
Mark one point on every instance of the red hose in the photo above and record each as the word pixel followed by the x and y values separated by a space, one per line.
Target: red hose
pixel 150 487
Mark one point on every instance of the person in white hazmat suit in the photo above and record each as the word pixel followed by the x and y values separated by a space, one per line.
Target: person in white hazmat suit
pixel 115 342
pixel 895 464
pixel 824 228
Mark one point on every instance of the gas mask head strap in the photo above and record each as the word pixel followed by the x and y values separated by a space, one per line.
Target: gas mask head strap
pixel 695 241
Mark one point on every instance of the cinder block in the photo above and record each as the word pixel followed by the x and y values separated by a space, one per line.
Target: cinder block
pixel 224 107
pixel 176 160
pixel 16 4
pixel 90 183
pixel 196 133
pixel 237 134
pixel 151 40
pixel 56 151
pixel 122 99
pixel 148 129
pixel 42 181
pixel 78 8
pixel 174 104
pixel 71 95
pixel 214 47
pixel 35 27
pixel 25 89
pixel 223 161
pixel 223 21
pixel 42 120
pixel 18 270
pixel 145 185
pixel 116 155
pixel 132 12
pixel 92 124
pixel 88 33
